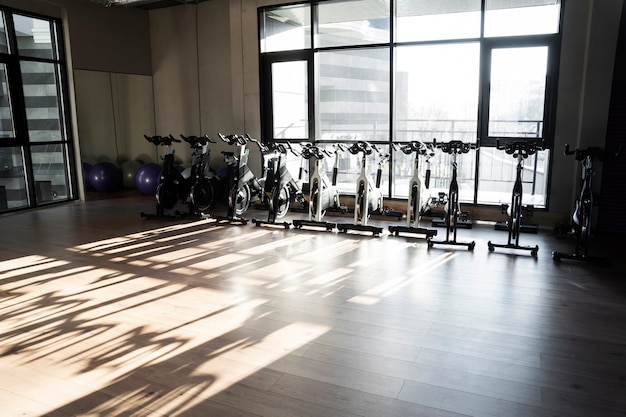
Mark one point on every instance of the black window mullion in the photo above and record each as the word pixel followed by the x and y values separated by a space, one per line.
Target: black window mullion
pixel 266 100
pixel 313 76
pixel 9 28
pixel 392 94
pixel 13 61
pixel 484 94
pixel 16 101
pixel 483 97
pixel 549 115
pixel 312 96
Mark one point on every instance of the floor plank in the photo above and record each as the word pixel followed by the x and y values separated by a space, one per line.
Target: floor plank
pixel 104 313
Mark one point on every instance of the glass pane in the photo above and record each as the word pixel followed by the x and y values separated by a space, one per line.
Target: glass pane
pixel 290 100
pixel 4 45
pixel 521 17
pixel 41 94
pixel 6 114
pixel 12 182
pixel 286 28
pixel 517 97
pixel 49 170
pixel 34 37
pixel 403 172
pixel 353 22
pixel 353 95
pixel 497 174
pixel 437 92
pixel 350 169
pixel 441 174
pixel 421 20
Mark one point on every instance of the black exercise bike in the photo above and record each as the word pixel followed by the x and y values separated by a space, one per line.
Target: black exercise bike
pixel 414 200
pixel 368 198
pixel 244 186
pixel 323 192
pixel 199 188
pixel 520 150
pixel 280 188
pixel 169 189
pixel 583 209
pixel 453 206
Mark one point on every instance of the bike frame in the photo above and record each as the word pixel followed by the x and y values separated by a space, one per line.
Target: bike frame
pixel 275 187
pixel 585 202
pixel 317 185
pixel 234 162
pixel 583 210
pixel 520 150
pixel 168 190
pixel 200 190
pixel 414 204
pixel 322 195
pixel 454 148
pixel 361 199
pixel 365 192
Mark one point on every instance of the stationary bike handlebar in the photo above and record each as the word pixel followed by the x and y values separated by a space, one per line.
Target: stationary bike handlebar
pixel 233 139
pixel 455 146
pixel 311 151
pixel 196 141
pixel 593 152
pixel 415 146
pixel 361 146
pixel 287 146
pixel 520 147
pixel 263 148
pixel 161 140
pixel 278 147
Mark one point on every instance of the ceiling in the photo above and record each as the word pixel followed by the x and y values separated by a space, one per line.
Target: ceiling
pixel 144 4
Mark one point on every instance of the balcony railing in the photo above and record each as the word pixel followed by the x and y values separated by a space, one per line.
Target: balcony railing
pixel 497 170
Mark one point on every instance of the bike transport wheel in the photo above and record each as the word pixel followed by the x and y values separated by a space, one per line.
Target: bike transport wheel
pixel 202 194
pixel 280 201
pixel 167 194
pixel 241 199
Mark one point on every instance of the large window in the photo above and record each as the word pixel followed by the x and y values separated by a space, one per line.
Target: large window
pixel 390 71
pixel 35 149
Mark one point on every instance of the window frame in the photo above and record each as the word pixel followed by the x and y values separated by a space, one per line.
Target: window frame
pixel 552 68
pixel 486 45
pixel 22 139
pixel 266 88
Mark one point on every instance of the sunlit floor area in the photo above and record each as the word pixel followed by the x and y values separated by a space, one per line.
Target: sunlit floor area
pixel 105 313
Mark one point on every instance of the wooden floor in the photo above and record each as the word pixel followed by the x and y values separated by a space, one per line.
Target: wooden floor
pixel 104 313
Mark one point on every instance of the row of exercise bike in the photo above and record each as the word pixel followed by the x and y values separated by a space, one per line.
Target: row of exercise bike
pixel 277 190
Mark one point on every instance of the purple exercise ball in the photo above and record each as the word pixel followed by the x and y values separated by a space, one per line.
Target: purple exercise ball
pixel 147 178
pixel 129 170
pixel 105 177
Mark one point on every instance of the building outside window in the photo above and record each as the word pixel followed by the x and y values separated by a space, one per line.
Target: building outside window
pixel 397 71
pixel 35 147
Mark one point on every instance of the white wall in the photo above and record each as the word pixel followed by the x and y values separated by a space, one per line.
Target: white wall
pixel 114 39
pixel 114 112
pixel 195 83
pixel 590 29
